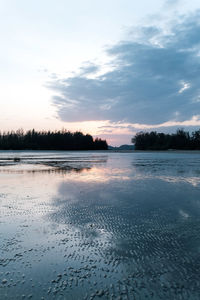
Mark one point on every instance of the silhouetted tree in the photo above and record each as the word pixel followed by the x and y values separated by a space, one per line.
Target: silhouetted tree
pixel 49 140
pixel 181 140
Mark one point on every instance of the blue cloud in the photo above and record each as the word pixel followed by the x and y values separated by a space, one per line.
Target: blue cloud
pixel 169 3
pixel 156 79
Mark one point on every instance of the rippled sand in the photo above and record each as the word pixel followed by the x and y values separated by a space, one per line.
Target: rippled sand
pixel 99 225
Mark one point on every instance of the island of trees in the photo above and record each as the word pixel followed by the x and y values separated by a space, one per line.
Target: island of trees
pixel 49 140
pixel 181 140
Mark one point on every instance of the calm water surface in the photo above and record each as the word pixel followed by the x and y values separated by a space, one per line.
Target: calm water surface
pixel 99 225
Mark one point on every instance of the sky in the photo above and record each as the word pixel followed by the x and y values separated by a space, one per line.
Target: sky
pixel 110 68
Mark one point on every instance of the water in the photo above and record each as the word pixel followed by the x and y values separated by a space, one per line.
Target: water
pixel 99 225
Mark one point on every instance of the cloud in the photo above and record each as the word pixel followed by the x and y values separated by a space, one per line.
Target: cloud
pixel 89 68
pixel 155 79
pixel 171 3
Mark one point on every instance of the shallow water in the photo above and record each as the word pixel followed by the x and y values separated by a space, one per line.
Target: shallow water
pixel 99 225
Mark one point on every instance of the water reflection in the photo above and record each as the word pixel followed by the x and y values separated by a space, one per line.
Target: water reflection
pixel 49 163
pixel 42 170
pixel 113 229
pixel 173 169
pixel 144 235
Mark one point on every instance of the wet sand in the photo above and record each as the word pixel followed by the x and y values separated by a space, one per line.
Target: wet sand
pixel 99 225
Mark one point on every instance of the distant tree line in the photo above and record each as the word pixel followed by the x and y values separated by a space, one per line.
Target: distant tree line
pixel 49 140
pixel 181 140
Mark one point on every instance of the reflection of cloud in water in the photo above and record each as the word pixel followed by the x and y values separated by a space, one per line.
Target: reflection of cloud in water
pixel 143 226
pixel 184 214
pixel 194 181
pixel 174 170
pixel 171 166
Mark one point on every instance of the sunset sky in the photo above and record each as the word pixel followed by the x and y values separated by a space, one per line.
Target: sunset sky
pixel 109 68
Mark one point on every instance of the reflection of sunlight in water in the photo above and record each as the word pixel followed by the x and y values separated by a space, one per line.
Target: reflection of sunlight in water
pixel 100 175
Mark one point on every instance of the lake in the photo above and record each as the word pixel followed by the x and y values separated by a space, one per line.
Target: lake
pixel 99 225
